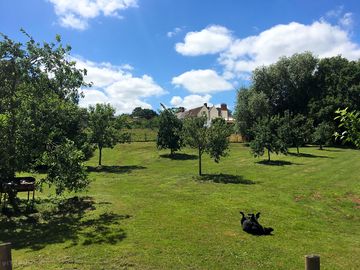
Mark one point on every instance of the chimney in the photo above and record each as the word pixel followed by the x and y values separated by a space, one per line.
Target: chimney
pixel 205 104
pixel 223 107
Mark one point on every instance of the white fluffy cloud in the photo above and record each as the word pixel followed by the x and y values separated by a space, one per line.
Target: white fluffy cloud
pixel 191 101
pixel 213 39
pixel 117 86
pixel 240 56
pixel 75 14
pixel 320 37
pixel 202 81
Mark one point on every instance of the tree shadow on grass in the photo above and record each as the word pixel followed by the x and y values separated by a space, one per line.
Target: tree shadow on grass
pixel 115 169
pixel 332 150
pixel 276 162
pixel 307 155
pixel 179 156
pixel 225 179
pixel 60 222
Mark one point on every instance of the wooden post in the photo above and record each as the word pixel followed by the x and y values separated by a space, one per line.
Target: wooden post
pixel 312 262
pixel 5 256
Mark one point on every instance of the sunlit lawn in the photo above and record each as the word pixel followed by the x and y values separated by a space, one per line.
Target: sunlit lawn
pixel 147 211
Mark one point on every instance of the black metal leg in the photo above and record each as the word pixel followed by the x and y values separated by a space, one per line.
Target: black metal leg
pixel 28 195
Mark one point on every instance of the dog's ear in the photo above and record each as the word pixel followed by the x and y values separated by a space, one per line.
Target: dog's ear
pixel 258 215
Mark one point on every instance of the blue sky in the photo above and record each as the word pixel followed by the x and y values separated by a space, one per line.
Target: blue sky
pixel 182 53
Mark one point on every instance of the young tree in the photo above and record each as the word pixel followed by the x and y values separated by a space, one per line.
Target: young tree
pixel 38 103
pixel 218 142
pixel 169 134
pixel 350 123
pixel 295 130
pixel 213 139
pixel 267 137
pixel 102 125
pixel 323 133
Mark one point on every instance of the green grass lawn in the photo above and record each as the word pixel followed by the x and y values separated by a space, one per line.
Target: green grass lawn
pixel 146 211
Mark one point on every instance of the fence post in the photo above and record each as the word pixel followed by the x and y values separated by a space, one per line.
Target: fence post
pixel 312 262
pixel 5 256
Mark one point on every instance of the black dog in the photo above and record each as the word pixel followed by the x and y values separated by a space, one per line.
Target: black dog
pixel 250 224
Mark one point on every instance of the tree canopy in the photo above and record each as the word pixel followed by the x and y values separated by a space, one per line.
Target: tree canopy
pixel 39 115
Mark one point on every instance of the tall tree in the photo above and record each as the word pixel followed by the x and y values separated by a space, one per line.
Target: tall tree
pixel 38 103
pixel 169 134
pixel 212 139
pixel 102 125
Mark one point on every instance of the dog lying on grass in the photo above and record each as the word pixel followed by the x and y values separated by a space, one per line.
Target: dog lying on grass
pixel 250 224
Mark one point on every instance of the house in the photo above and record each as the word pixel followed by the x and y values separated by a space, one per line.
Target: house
pixel 210 112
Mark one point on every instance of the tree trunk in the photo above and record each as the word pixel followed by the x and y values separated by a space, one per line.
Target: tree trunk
pixel 12 127
pixel 268 154
pixel 297 148
pixel 100 155
pixel 321 147
pixel 200 162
